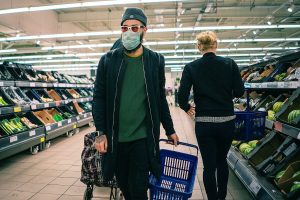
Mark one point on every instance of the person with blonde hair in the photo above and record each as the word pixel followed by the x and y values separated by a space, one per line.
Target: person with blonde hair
pixel 216 81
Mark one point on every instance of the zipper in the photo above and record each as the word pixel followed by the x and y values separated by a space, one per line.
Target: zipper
pixel 149 106
pixel 113 122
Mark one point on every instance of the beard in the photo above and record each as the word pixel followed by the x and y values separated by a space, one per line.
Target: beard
pixel 136 48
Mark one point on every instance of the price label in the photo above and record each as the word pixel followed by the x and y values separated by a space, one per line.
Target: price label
pixel 55 84
pixel 298 137
pixel 84 116
pixel 69 121
pixel 17 109
pixel 33 107
pixel 46 105
pixel 42 139
pixel 74 126
pixel 57 103
pixel 44 84
pixel 59 124
pixel 78 118
pixel 48 128
pixel 81 100
pixel 32 133
pixel 255 187
pixel 281 85
pixel 32 84
pixel 1 84
pixel 13 139
pixel 278 126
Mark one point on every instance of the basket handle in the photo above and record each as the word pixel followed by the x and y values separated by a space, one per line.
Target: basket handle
pixel 182 143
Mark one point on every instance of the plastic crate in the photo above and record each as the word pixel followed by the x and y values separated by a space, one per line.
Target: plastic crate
pixel 178 175
pixel 249 125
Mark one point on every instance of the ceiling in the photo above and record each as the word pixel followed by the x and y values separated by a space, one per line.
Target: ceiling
pixel 177 45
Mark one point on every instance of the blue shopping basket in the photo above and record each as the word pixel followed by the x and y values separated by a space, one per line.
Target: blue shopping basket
pixel 249 125
pixel 178 175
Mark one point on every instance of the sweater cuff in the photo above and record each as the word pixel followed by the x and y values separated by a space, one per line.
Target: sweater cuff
pixel 170 131
pixel 187 107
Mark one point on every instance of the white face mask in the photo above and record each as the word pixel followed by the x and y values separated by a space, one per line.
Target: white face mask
pixel 131 39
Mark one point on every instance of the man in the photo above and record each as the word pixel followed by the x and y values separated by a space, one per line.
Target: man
pixel 129 104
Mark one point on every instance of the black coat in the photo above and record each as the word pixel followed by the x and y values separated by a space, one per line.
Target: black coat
pixel 106 104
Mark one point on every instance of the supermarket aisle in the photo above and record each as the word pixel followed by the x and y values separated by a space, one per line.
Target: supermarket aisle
pixel 54 173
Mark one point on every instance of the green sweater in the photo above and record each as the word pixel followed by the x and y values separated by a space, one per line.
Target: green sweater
pixel 132 115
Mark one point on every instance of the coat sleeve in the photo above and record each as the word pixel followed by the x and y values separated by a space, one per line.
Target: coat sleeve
pixel 166 119
pixel 99 100
pixel 238 85
pixel 184 89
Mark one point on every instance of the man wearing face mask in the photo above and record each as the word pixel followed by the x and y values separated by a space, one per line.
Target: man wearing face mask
pixel 129 105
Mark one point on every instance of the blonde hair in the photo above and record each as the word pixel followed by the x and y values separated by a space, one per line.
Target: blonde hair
pixel 206 40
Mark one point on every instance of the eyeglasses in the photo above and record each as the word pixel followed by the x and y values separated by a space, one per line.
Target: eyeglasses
pixel 132 28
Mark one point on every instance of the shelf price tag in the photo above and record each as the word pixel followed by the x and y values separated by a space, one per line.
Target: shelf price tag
pixel 48 128
pixel 84 116
pixel 42 139
pixel 278 126
pixel 74 126
pixel 33 107
pixel 1 84
pixel 13 139
pixel 55 84
pixel 298 137
pixel 69 121
pixel 46 105
pixel 59 124
pixel 280 84
pixel 32 133
pixel 44 84
pixel 17 109
pixel 32 84
pixel 255 187
pixel 57 103
pixel 78 118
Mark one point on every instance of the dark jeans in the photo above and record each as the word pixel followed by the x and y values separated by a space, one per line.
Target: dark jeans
pixel 214 140
pixel 133 169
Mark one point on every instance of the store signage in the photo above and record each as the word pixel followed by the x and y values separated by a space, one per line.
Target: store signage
pixel 17 109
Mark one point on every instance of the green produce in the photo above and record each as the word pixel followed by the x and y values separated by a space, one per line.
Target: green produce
pixel 12 126
pixel 296 186
pixel 68 115
pixel 279 174
pixel 293 115
pixel 277 106
pixel 57 117
pixel 253 143
pixel 280 77
pixel 243 147
pixel 235 142
pixel 248 150
pixel 296 174
pixel 3 102
pixel 271 115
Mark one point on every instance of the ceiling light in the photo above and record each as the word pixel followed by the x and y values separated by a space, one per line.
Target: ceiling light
pixel 59 61
pixel 67 65
pixel 182 11
pixel 269 22
pixel 235 44
pixel 8 50
pixel 38 42
pixel 79 5
pixel 254 32
pixel 291 8
pixel 180 25
pixel 70 69
pixel 156 30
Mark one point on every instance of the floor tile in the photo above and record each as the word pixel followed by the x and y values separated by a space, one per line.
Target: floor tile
pixel 52 172
pixel 72 197
pixel 3 193
pixel 9 185
pixel 54 189
pixel 31 187
pixel 79 183
pixel 42 180
pixel 21 178
pixel 18 195
pixel 64 181
pixel 32 172
pixel 60 167
pixel 71 174
pixel 39 196
pixel 75 190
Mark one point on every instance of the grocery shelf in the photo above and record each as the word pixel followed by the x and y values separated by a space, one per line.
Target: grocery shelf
pixel 269 124
pixel 273 85
pixel 14 109
pixel 287 129
pixel 56 129
pixel 7 83
pixel 19 142
pixel 258 185
pixel 84 119
pixel 32 84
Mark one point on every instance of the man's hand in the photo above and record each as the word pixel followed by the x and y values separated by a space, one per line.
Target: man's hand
pixel 174 137
pixel 191 112
pixel 101 144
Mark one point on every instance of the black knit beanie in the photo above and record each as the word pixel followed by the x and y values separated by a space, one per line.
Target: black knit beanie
pixel 134 13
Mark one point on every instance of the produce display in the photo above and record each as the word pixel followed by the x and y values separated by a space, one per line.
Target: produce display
pixel 57 117
pixel 277 106
pixel 45 99
pixel 12 126
pixel 293 115
pixel 296 186
pixel 16 95
pixel 28 123
pixel 87 106
pixel 68 115
pixel 2 102
pixel 279 175
pixel 246 148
